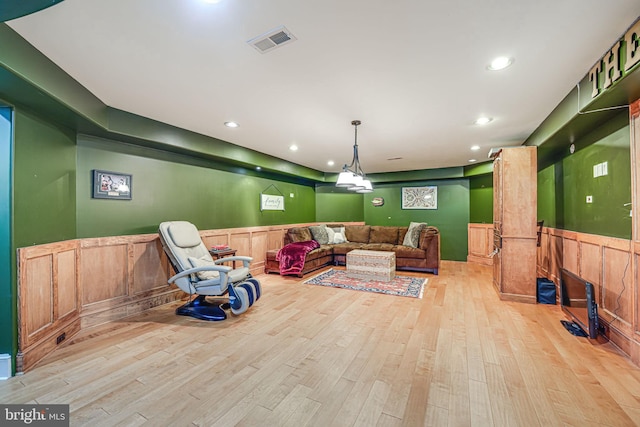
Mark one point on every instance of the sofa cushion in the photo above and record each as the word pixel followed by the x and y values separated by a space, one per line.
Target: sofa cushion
pixel 319 234
pixel 409 252
pixel 412 238
pixel 300 234
pixel 358 233
pixel 387 247
pixel 383 234
pixel 343 248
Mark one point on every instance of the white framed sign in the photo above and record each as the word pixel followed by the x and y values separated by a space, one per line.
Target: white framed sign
pixel 420 197
pixel 269 202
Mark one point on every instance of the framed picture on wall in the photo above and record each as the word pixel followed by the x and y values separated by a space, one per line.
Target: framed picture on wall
pixel 271 203
pixel 111 185
pixel 420 197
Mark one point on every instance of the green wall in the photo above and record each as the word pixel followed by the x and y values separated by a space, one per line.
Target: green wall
pixel 168 186
pixel 481 199
pixel 335 204
pixel 44 181
pixel 564 185
pixel 548 209
pixel 8 297
pixel 451 217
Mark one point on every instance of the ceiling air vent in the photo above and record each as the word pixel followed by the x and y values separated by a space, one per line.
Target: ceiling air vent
pixel 272 39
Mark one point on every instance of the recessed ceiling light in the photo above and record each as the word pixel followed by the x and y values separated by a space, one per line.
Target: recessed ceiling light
pixel 211 1
pixel 330 163
pixel 472 160
pixel 231 124
pixel 293 147
pixel 475 147
pixel 480 121
pixel 500 63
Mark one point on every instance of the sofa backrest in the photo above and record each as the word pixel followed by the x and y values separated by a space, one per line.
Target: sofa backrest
pixel 363 233
pixel 357 233
pixel 383 234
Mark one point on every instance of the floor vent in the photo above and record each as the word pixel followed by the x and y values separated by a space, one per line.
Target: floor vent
pixel 272 39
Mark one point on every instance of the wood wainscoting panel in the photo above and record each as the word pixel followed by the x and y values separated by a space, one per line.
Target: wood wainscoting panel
pixel 544 261
pixel 275 238
pixel 556 256
pixel 480 243
pixel 612 266
pixel 48 307
pixel 215 240
pixel 37 296
pixel 150 266
pixel 259 242
pixel 67 289
pixel 570 250
pixel 104 271
pixel 590 262
pixel 241 241
pixel 616 290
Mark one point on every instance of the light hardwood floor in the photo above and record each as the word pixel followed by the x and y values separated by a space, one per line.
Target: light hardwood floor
pixel 310 355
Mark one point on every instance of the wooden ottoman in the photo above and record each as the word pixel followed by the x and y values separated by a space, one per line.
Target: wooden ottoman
pixel 371 265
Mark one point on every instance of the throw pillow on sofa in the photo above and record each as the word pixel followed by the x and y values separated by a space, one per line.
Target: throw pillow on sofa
pixel 300 234
pixel 336 235
pixel 319 233
pixel 412 238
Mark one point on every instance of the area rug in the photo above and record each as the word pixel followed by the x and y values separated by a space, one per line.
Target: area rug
pixel 403 286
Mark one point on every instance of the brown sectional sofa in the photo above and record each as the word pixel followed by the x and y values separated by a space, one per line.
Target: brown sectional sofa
pixel 425 257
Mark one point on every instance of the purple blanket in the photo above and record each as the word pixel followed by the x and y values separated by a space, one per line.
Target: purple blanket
pixel 292 256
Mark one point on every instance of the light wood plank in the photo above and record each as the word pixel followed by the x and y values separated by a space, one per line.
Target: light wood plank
pixel 316 356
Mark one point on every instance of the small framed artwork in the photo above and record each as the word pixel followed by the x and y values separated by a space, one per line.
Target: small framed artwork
pixel 111 185
pixel 420 197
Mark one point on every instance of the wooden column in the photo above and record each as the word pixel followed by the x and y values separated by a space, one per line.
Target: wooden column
pixel 514 216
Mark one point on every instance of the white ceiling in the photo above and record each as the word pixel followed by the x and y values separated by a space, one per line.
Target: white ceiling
pixel 414 71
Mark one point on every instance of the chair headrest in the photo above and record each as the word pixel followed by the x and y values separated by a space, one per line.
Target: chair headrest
pixel 184 234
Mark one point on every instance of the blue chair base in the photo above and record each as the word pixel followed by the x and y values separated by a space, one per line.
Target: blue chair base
pixel 203 310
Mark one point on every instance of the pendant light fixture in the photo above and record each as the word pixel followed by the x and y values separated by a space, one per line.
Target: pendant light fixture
pixel 352 176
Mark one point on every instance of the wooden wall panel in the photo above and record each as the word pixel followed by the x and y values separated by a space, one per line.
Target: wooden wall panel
pixel 67 297
pixel 259 241
pixel 276 239
pixel 38 295
pixel 570 255
pixel 150 266
pixel 543 259
pixel 48 309
pixel 241 242
pixel 217 239
pixel 590 262
pixel 104 271
pixel 480 243
pixel 616 294
pixel 555 256
pixel 611 265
